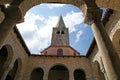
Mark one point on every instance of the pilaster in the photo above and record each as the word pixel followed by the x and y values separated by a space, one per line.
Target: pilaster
pixel 71 75
pixel 45 76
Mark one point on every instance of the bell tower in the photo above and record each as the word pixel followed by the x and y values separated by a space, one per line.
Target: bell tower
pixel 60 35
pixel 60 42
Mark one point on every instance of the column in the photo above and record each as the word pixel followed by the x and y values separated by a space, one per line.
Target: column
pixel 71 75
pixel 12 16
pixel 107 53
pixel 106 49
pixel 45 76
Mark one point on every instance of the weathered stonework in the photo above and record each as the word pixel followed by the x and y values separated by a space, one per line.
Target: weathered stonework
pixel 19 63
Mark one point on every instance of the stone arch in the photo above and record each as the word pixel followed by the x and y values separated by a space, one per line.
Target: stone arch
pixel 79 74
pixel 58 72
pixel 116 41
pixel 12 73
pixel 6 56
pixel 18 72
pixel 100 3
pixel 37 74
pixel 78 3
pixel 37 2
pixel 99 75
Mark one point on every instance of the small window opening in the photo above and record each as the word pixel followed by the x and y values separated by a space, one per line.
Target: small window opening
pixel 62 32
pixel 58 32
pixel 59 52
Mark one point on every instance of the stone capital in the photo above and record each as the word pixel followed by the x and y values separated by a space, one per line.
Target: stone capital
pixel 13 13
pixel 92 15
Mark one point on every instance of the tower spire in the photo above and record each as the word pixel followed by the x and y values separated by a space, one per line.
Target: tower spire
pixel 60 35
pixel 60 23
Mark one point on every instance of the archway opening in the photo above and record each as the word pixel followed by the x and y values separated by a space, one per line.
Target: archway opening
pixel 3 56
pixel 37 74
pixel 79 75
pixel 58 72
pixel 12 73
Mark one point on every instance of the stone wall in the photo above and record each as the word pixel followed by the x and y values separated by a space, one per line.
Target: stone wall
pixel 17 53
pixel 47 62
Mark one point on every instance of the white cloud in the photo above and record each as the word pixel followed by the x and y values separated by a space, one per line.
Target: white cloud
pixel 38 37
pixel 51 6
pixel 78 35
pixel 29 23
pixel 72 19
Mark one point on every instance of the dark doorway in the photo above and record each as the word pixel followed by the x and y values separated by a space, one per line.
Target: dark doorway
pixel 37 74
pixel 58 72
pixel 79 75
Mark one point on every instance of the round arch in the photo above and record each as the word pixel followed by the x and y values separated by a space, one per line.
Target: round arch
pixel 12 73
pixel 19 68
pixel 98 71
pixel 79 74
pixel 106 3
pixel 59 52
pixel 116 41
pixel 37 74
pixel 6 56
pixel 58 72
pixel 78 3
pixel 8 49
pixel 24 9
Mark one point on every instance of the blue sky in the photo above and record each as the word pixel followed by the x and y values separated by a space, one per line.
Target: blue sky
pixel 39 21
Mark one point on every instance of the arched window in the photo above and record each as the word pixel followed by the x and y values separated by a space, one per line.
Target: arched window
pixel 3 55
pixel 12 72
pixel 62 32
pixel 79 75
pixel 6 55
pixel 15 71
pixel 59 52
pixel 58 32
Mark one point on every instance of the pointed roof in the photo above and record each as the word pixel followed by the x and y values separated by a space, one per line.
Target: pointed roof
pixel 60 23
